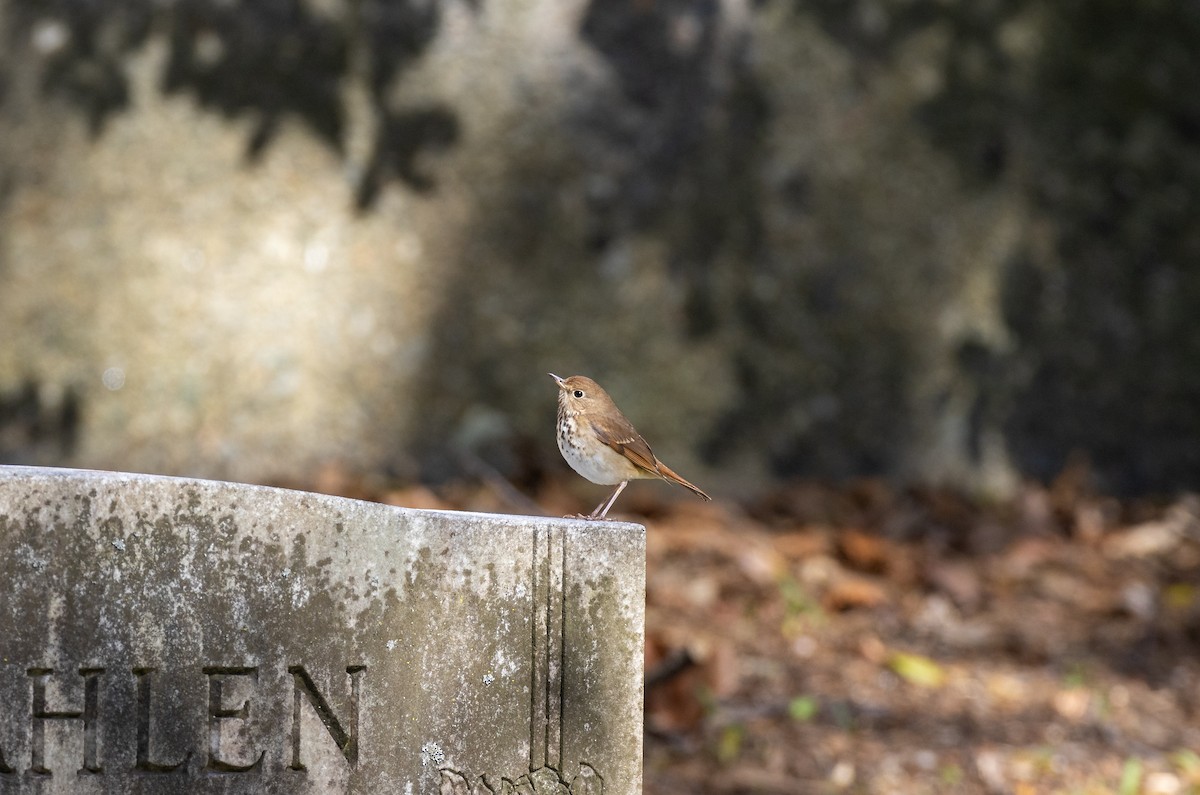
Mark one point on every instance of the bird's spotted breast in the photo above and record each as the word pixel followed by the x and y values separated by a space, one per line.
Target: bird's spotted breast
pixel 592 458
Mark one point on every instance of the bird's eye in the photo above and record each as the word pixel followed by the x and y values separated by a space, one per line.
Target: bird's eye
pixel 578 393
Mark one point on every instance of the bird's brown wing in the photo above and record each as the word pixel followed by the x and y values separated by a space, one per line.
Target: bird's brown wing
pixel 622 437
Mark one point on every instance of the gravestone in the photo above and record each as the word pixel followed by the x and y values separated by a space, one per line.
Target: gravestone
pixel 170 635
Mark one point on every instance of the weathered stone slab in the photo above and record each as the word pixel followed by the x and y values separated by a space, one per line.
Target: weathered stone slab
pixel 170 635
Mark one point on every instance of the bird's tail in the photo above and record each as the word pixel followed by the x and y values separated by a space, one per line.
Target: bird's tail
pixel 669 474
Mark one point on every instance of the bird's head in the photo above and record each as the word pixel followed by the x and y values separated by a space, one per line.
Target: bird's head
pixel 578 394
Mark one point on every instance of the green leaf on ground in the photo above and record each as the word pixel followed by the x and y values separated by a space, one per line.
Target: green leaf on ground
pixel 918 669
pixel 1131 777
pixel 802 708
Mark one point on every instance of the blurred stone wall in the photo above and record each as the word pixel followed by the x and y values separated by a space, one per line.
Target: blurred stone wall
pixel 939 241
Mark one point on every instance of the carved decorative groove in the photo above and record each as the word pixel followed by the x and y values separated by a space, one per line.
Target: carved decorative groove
pixel 548 653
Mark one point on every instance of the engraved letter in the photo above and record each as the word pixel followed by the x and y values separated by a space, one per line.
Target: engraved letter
pixel 347 742
pixel 5 770
pixel 217 712
pixel 90 713
pixel 143 728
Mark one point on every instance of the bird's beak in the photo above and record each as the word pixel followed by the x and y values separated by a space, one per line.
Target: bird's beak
pixel 557 380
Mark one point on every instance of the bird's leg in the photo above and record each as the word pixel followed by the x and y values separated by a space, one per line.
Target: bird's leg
pixel 600 514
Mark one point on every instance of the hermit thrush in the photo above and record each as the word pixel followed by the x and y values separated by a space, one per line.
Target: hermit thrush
pixel 600 444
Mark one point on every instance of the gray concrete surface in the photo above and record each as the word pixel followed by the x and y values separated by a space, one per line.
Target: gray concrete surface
pixel 171 635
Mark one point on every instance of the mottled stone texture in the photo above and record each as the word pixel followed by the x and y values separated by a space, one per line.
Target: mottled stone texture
pixel 166 635
pixel 938 239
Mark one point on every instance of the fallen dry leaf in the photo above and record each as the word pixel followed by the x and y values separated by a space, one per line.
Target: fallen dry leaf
pixel 960 580
pixel 849 592
pixel 1072 703
pixel 864 551
pixel 415 497
pixel 1144 540
pixel 802 543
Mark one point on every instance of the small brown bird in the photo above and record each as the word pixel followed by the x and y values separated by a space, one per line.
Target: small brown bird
pixel 601 444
